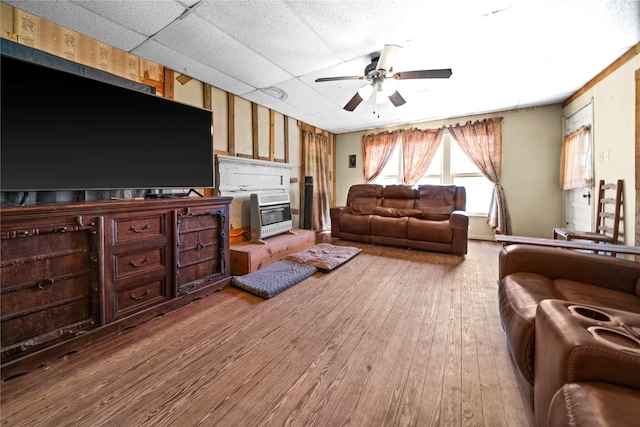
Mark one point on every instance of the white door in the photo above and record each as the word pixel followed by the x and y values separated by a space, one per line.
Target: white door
pixel 579 208
pixel 579 204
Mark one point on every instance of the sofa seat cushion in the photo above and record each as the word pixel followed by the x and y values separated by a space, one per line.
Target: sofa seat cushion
pixel 389 227
pixel 595 295
pixel 520 293
pixel 396 213
pixel 429 231
pixel 388 212
pixel 594 404
pixel 355 224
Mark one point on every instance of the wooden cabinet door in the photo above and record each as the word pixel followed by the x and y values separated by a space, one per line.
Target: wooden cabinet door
pixel 200 248
pixel 49 284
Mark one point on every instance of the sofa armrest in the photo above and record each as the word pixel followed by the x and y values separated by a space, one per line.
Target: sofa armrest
pixel 556 263
pixel 336 212
pixel 459 220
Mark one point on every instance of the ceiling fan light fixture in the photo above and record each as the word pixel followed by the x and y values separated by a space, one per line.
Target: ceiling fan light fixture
pixel 381 98
pixel 365 92
pixel 383 80
pixel 389 86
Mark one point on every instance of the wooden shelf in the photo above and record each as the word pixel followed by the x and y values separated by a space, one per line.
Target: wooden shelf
pixel 247 257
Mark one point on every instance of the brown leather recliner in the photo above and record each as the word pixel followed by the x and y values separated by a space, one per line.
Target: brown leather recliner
pixel 534 278
pixel 431 217
pixel 530 274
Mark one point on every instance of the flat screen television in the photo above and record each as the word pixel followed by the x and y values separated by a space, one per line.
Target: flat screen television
pixel 62 131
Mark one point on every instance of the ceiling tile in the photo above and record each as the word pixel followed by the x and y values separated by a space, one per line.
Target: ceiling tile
pixel 201 41
pixel 185 65
pixel 79 19
pixel 143 17
pixel 274 30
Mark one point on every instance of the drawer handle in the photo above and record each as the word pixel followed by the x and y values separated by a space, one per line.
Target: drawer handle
pixel 135 298
pixel 143 262
pixel 45 284
pixel 139 230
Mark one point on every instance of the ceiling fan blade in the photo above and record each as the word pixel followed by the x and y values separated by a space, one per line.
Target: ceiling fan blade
pixel 387 57
pixel 333 79
pixel 444 73
pixel 353 102
pixel 396 99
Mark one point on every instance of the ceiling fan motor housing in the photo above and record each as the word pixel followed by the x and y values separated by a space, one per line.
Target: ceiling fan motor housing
pixel 371 68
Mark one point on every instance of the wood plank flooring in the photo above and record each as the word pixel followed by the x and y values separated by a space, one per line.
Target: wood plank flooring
pixel 392 338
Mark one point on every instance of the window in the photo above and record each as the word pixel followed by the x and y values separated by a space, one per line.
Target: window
pixel 390 174
pixel 449 166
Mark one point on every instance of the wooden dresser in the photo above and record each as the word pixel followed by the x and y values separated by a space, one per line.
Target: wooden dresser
pixel 72 274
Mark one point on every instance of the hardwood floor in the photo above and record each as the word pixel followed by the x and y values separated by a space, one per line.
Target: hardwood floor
pixel 393 337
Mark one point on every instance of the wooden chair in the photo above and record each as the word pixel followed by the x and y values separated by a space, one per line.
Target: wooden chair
pixel 608 221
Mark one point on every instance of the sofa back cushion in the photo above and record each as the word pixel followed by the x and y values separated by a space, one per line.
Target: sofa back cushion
pixel 398 196
pixel 362 198
pixel 436 202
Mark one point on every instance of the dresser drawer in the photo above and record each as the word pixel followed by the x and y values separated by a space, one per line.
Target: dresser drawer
pixel 39 295
pixel 40 257
pixel 130 229
pixel 32 329
pixel 139 297
pixel 128 264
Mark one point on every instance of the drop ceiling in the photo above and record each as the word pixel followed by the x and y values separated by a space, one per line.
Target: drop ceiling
pixel 504 54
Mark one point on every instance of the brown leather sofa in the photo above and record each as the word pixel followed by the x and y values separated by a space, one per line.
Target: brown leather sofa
pixel 431 217
pixel 536 287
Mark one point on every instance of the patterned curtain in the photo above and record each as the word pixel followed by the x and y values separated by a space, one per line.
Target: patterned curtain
pixel 316 164
pixel 575 162
pixel 376 150
pixel 482 143
pixel 418 149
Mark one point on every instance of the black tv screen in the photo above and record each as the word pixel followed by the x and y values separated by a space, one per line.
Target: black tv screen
pixel 62 131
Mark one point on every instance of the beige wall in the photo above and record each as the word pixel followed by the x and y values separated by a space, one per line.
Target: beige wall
pixel 613 131
pixel 531 141
pixel 192 93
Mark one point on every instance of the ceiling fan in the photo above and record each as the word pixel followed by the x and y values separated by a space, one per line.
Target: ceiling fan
pixel 383 81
